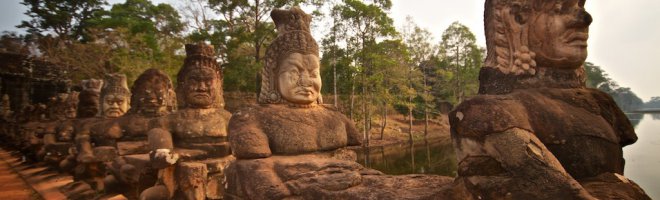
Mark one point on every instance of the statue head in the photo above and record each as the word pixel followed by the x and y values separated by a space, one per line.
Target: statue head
pixel 89 97
pixel 5 111
pixel 522 35
pixel 292 71
pixel 534 43
pixel 151 93
pixel 71 104
pixel 5 101
pixel 57 106
pixel 115 96
pixel 199 82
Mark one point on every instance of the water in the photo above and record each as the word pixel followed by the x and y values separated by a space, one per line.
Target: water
pixel 643 157
pixel 438 157
pixel 425 157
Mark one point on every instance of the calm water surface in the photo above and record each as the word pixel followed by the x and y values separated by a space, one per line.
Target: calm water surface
pixel 424 157
pixel 437 157
pixel 643 157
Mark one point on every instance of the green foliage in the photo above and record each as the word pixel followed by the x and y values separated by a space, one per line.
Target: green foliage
pixel 625 98
pixel 653 103
pixel 240 35
pixel 459 54
pixel 595 75
pixel 143 36
pixel 67 19
pixel 359 26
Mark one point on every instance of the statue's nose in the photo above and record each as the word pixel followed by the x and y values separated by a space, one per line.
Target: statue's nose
pixel 582 19
pixel 305 80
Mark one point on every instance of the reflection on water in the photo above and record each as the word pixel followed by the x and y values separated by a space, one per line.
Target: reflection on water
pixel 425 157
pixel 635 118
pixel 642 158
pixel 655 116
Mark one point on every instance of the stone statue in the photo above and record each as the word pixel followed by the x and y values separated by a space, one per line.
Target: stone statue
pixel 89 98
pixel 190 146
pixel 291 145
pixel 57 144
pixel 86 111
pixel 6 113
pixel 535 131
pixel 95 140
pixel 6 120
pixel 32 130
pixel 151 97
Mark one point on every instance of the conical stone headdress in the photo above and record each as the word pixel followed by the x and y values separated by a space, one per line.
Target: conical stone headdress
pixel 199 57
pixel 115 84
pixel 293 36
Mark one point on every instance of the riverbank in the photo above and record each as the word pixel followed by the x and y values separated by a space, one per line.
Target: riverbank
pixel 396 131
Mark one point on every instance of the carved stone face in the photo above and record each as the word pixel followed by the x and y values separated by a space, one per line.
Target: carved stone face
pixel 152 97
pixel 70 112
pixel 201 87
pixel 153 100
pixel 89 104
pixel 559 36
pixel 299 78
pixel 114 105
pixel 65 134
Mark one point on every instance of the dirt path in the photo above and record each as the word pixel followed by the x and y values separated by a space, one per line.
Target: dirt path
pixel 11 184
pixel 38 180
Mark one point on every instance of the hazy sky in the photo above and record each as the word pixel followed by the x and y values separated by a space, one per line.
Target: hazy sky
pixel 624 37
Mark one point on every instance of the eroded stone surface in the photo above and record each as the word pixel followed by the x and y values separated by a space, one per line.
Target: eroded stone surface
pixel 183 145
pixel 535 131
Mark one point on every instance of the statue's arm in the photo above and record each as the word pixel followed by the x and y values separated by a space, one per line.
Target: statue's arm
pixel 353 135
pixel 246 138
pixel 500 157
pixel 616 117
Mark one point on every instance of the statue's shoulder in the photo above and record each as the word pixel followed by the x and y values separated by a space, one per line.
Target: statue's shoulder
pixel 488 114
pixel 249 113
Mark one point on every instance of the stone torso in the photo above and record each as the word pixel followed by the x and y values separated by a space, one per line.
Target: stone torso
pixel 192 124
pixel 583 128
pixel 292 130
pixel 135 126
pixel 199 133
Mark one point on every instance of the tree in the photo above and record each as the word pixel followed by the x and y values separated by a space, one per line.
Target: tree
pixel 391 79
pixel 624 97
pixel 653 103
pixel 418 43
pixel 240 35
pixel 463 58
pixel 142 35
pixel 66 19
pixel 360 25
pixel 596 77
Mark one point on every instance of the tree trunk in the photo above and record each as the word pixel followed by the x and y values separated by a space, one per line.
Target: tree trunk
pixel 410 123
pixel 334 83
pixel 384 120
pixel 410 105
pixel 352 97
pixel 426 109
pixel 457 92
pixel 257 45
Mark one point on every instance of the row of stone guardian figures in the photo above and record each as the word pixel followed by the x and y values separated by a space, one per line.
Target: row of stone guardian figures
pixel 533 132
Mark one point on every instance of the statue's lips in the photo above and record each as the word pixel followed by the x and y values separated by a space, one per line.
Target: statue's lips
pixel 305 92
pixel 578 39
pixel 113 110
pixel 201 95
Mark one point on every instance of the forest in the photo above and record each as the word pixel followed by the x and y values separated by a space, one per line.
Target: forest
pixel 370 67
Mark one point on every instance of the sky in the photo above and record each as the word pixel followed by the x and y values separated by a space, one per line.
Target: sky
pixel 624 37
